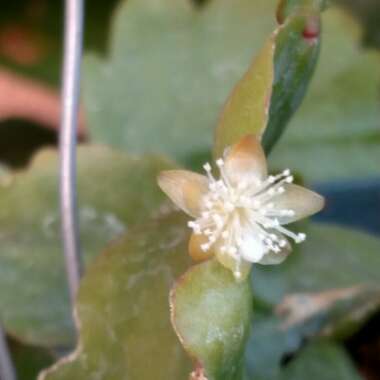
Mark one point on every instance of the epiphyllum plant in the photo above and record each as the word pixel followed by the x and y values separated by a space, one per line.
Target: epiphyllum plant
pixel 240 217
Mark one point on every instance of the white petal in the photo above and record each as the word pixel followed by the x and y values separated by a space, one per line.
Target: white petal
pixel 273 258
pixel 245 161
pixel 231 263
pixel 301 201
pixel 252 249
pixel 185 189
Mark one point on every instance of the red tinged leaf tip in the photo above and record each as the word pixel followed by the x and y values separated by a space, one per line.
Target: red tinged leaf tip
pixel 312 29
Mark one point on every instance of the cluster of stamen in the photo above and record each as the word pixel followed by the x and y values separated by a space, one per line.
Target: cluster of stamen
pixel 230 210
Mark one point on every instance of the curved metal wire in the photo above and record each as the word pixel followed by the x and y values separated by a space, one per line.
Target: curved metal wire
pixel 73 41
pixel 74 11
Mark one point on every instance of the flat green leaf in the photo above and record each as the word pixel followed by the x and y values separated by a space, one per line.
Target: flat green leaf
pixel 289 7
pixel 116 191
pixel 271 91
pixel 322 360
pixel 165 61
pixel 335 134
pixel 247 108
pixel 275 337
pixel 328 286
pixel 169 70
pixel 270 343
pixel 29 360
pixel 211 315
pixel 297 45
pixel 123 310
pixel 331 258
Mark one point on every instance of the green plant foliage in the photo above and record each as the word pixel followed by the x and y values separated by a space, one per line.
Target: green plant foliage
pixel 321 360
pixel 335 133
pixel 268 343
pixel 275 84
pixel 169 70
pixel 331 258
pixel 177 72
pixel 211 315
pixel 328 286
pixel 29 360
pixel 123 309
pixel 247 109
pixel 294 62
pixel 289 7
pixel 272 340
pixel 116 191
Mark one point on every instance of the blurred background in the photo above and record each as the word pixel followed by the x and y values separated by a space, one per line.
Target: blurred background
pixel 30 61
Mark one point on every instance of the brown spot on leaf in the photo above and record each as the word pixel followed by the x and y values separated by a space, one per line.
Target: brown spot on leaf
pixel 299 307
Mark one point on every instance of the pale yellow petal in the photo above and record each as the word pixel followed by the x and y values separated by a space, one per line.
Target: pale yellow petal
pixel 245 161
pixel 302 201
pixel 185 189
pixel 195 251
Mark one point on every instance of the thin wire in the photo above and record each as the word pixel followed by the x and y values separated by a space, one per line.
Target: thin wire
pixel 7 371
pixel 74 12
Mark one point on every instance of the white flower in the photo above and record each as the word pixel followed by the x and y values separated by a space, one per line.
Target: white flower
pixel 240 217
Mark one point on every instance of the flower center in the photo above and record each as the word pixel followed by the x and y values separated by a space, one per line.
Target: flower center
pixel 232 212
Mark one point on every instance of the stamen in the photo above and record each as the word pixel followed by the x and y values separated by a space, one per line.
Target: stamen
pixel 207 167
pixel 237 274
pixel 230 211
pixel 205 247
pixel 242 185
pixel 256 203
pixel 229 206
pixel 220 162
pixel 300 238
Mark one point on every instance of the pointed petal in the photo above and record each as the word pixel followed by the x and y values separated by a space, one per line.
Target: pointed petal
pixel 245 161
pixel 302 201
pixel 240 268
pixel 195 251
pixel 184 188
